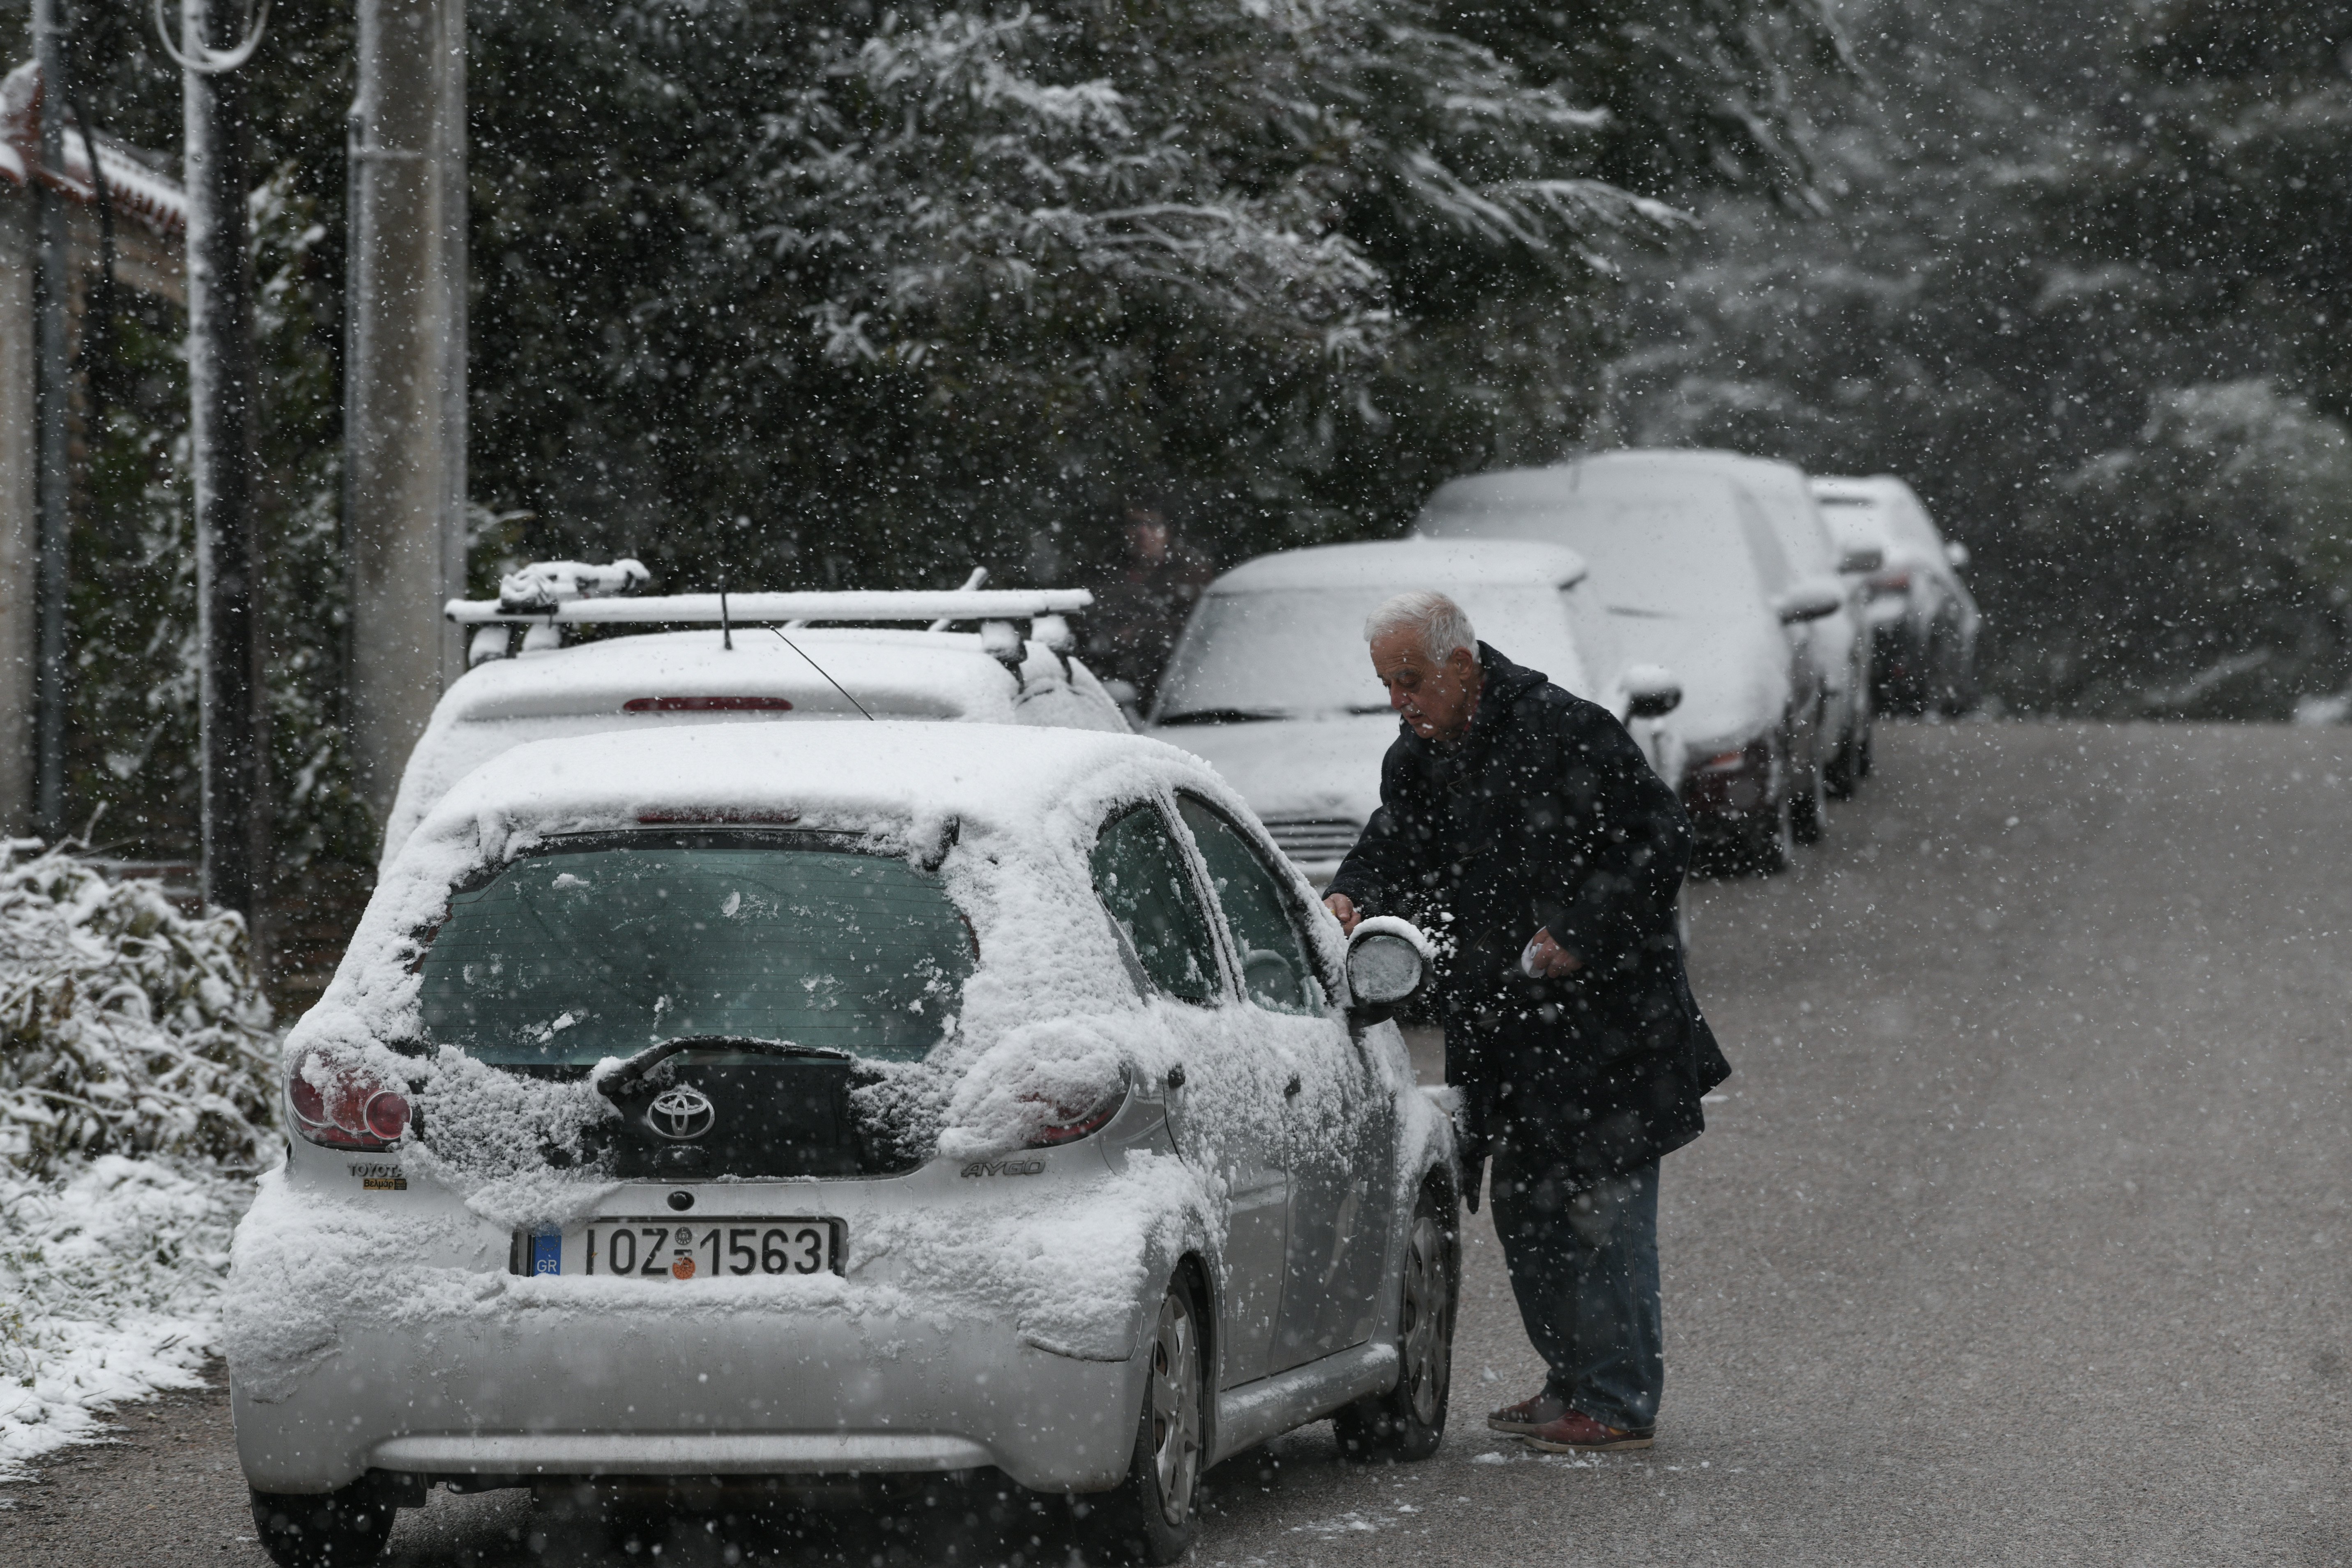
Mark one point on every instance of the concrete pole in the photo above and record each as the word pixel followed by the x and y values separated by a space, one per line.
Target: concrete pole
pixel 20 518
pixel 404 377
pixel 221 445
pixel 52 282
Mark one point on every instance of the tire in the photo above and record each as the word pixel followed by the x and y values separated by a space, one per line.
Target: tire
pixel 1152 1516
pixel 344 1529
pixel 1409 1421
pixel 1809 812
pixel 1766 846
pixel 1843 775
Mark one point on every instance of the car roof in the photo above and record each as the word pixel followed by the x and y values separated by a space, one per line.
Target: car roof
pixel 939 672
pixel 1466 503
pixel 845 775
pixel 1404 563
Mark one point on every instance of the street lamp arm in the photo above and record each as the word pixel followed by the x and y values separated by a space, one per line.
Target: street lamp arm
pixel 211 61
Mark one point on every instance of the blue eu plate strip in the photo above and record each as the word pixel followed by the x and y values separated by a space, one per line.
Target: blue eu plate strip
pixel 547 1255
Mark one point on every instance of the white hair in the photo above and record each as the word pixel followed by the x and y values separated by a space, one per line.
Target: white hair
pixel 1436 620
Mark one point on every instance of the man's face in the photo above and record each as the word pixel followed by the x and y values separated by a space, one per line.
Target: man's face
pixel 1433 696
pixel 1147 537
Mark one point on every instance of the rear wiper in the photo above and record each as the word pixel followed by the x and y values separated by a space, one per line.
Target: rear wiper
pixel 624 1078
pixel 1220 716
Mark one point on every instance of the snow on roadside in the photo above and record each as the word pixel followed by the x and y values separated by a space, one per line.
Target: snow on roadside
pixel 110 1291
pixel 138 1067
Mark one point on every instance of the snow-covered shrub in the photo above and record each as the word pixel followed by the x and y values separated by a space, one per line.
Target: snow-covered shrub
pixel 109 1289
pixel 126 1028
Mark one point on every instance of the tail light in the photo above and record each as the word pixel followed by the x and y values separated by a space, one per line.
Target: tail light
pixel 1898 582
pixel 340 1104
pixel 1067 1124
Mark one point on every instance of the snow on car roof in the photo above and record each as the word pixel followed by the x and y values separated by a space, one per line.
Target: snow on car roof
pixel 1402 562
pixel 938 674
pixel 827 774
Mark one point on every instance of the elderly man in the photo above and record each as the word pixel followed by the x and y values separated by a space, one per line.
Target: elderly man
pixel 1526 824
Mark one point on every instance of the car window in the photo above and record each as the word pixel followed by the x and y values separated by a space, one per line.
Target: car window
pixel 1596 642
pixel 1277 652
pixel 1141 874
pixel 1276 972
pixel 1764 546
pixel 601 949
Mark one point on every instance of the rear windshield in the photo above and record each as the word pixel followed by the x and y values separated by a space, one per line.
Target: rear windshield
pixel 1291 651
pixel 603 950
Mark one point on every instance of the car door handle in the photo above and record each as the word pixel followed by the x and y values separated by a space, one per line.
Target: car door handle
pixel 1290 1088
pixel 1176 1077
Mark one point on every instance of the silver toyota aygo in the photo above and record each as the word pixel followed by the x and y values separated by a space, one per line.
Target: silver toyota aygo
pixel 761 1108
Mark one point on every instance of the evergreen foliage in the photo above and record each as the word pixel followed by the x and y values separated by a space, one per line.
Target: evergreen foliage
pixel 842 294
pixel 2078 269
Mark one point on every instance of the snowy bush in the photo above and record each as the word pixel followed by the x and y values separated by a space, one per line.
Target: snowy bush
pixel 126 1028
pixel 109 1289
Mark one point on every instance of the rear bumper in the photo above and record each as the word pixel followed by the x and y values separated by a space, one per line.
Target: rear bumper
pixel 584 1391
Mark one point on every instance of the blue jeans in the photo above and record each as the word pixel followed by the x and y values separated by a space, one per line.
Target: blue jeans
pixel 1584 1267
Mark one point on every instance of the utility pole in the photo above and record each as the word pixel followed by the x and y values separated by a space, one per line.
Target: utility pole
pixel 404 377
pixel 221 443
pixel 53 398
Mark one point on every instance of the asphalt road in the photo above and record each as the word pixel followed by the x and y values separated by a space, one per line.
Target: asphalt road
pixel 2019 1237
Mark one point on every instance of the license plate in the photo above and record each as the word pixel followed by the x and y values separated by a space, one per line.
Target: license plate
pixel 672 1249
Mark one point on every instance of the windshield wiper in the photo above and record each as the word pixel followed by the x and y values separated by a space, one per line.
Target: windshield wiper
pixel 624 1078
pixel 1222 716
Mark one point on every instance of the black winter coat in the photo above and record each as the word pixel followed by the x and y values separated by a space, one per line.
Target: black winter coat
pixel 1547 815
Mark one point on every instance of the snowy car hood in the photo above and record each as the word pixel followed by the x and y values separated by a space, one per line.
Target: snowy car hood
pixel 1325 767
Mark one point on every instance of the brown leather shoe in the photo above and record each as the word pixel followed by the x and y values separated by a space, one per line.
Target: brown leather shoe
pixel 1528 1415
pixel 1577 1433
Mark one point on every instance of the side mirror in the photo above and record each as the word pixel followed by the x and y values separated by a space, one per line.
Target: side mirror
pixel 1651 692
pixel 1956 552
pixel 1861 560
pixel 1388 963
pixel 1810 602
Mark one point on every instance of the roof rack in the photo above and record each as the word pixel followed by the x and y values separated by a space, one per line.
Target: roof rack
pixel 850 605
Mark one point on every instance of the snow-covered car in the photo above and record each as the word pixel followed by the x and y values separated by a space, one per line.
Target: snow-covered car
pixel 1694 581
pixel 1923 622
pixel 1841 644
pixel 1272 684
pixel 858 1100
pixel 746 670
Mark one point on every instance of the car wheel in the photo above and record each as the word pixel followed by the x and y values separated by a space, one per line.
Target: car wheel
pixel 1845 769
pixel 341 1529
pixel 1150 1517
pixel 1409 1421
pixel 1809 811
pixel 1765 845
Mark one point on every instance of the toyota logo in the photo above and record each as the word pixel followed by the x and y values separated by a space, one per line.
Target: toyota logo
pixel 681 1112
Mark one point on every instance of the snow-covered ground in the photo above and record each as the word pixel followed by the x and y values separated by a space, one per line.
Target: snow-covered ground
pixel 138 1069
pixel 109 1288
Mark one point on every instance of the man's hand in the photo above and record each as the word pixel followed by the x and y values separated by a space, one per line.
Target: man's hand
pixel 1343 910
pixel 1546 959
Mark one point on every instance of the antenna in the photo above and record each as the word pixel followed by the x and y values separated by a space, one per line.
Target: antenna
pixel 829 680
pixel 726 629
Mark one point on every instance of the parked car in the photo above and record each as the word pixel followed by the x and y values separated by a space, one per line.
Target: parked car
pixel 1271 680
pixel 744 1104
pixel 1841 643
pixel 1696 581
pixel 744 671
pixel 1923 620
